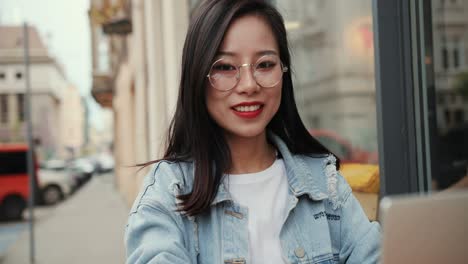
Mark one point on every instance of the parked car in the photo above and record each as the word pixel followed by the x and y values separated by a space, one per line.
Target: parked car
pixel 343 148
pixel 106 163
pixel 103 162
pixel 56 182
pixel 83 168
pixel 14 180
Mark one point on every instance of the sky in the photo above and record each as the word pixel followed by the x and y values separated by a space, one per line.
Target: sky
pixel 64 27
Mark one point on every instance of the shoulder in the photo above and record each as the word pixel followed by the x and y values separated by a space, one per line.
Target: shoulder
pixel 163 183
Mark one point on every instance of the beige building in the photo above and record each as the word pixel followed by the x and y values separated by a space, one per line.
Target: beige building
pixel 72 122
pixel 136 48
pixel 55 104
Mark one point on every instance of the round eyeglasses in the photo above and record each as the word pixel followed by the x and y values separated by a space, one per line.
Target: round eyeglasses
pixel 267 72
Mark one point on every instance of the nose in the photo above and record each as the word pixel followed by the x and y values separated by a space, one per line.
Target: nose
pixel 247 83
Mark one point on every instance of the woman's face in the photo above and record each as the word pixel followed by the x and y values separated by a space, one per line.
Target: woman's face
pixel 246 109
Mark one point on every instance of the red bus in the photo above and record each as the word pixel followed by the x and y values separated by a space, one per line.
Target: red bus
pixel 14 180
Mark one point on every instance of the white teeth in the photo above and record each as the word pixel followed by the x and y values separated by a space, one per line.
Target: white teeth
pixel 249 108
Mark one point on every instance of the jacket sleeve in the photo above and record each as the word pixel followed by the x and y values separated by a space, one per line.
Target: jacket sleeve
pixel 360 238
pixel 154 232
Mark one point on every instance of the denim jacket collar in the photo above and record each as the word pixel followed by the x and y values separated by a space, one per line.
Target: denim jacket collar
pixel 306 175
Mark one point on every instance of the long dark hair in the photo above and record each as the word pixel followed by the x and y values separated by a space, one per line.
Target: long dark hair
pixel 193 135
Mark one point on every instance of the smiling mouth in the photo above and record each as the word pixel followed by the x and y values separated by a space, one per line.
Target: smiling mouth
pixel 249 108
pixel 248 111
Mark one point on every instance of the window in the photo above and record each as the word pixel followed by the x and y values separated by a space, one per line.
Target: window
pixel 2 76
pixel 3 108
pixel 20 100
pixel 459 116
pixel 456 59
pixel 452 54
pixel 13 163
pixel 457 53
pixel 19 75
pixel 103 59
pixel 448 118
pixel 445 58
pixel 440 99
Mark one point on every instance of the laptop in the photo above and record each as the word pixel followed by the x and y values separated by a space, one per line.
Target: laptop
pixel 425 229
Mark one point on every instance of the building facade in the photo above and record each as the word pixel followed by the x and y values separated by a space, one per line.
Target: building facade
pixel 450 38
pixel 136 57
pixel 51 116
pixel 72 123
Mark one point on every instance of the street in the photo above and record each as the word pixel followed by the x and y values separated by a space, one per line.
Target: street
pixel 85 228
pixel 9 233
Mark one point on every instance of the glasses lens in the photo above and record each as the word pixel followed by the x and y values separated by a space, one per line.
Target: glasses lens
pixel 223 75
pixel 268 71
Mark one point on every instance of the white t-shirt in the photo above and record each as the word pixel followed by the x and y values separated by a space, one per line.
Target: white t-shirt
pixel 264 194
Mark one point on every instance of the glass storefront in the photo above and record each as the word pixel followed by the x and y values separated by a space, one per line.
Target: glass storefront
pixel 450 50
pixel 333 69
pixel 332 52
pixel 422 99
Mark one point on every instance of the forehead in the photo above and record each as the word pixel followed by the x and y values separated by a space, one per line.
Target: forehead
pixel 247 36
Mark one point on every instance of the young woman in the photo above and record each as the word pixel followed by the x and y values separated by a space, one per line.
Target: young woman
pixel 242 180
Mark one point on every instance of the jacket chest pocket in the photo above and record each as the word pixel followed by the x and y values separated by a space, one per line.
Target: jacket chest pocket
pixel 308 240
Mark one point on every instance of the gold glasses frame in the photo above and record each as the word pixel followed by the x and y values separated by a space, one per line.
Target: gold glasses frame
pixel 238 74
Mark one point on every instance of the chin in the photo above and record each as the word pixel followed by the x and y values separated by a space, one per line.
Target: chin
pixel 246 132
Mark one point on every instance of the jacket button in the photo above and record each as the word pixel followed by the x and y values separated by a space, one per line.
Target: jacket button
pixel 300 253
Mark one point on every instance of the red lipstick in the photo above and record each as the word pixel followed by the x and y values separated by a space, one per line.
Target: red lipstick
pixel 246 109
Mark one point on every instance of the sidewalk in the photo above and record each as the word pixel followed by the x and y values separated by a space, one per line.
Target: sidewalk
pixel 9 233
pixel 86 228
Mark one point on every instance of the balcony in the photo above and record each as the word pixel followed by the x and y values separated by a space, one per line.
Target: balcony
pixel 102 90
pixel 451 16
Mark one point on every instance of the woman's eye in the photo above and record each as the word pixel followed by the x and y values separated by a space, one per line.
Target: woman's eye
pixel 224 67
pixel 266 65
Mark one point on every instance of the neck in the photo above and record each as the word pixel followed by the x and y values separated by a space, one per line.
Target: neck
pixel 250 155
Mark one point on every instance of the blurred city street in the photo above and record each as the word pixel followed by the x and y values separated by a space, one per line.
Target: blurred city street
pixel 86 228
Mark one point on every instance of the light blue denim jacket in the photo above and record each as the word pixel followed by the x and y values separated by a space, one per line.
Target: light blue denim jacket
pixel 325 223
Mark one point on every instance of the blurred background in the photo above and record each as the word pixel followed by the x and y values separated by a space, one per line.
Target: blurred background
pixel 104 77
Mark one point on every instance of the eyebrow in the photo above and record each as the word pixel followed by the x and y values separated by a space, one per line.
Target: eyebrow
pixel 259 53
